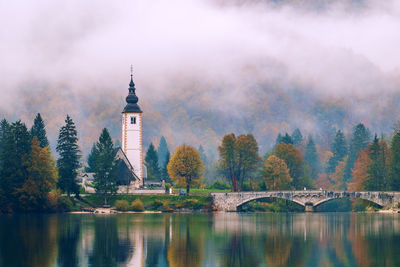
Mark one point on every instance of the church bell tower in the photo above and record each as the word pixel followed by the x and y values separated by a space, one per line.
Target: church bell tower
pixel 132 133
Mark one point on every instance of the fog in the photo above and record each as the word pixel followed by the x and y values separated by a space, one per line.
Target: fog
pixel 211 62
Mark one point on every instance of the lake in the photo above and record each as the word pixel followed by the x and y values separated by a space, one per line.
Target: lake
pixel 215 239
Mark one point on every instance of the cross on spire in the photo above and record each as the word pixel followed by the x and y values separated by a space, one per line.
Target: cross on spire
pixel 131 70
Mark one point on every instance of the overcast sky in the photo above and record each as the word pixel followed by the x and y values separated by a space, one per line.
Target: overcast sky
pixel 344 48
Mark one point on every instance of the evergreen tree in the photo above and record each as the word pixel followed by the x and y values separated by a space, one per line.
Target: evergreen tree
pixel 360 139
pixel 13 172
pixel 278 139
pixel 151 161
pixel 105 161
pixel 4 132
pixel 202 155
pixel 311 157
pixel 68 162
pixel 38 130
pixel 395 162
pixel 91 159
pixel 339 150
pixel 287 139
pixel 297 137
pixel 164 170
pixel 162 152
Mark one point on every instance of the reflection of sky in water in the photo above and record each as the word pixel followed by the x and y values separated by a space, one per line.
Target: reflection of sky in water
pixel 222 239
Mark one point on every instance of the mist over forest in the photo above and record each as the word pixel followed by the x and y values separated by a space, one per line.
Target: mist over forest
pixel 203 68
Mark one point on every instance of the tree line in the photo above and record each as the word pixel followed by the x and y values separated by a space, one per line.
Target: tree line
pixel 296 163
pixel 31 179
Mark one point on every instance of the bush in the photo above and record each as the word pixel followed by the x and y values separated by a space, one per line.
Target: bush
pixel 167 187
pixel 156 204
pixel 81 190
pixel 137 205
pixel 166 207
pixel 246 187
pixel 192 204
pixel 121 205
pixel 220 185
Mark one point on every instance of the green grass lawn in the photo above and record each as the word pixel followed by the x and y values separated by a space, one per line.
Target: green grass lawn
pixel 151 201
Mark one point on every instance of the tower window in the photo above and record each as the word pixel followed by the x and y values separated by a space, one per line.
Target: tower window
pixel 133 120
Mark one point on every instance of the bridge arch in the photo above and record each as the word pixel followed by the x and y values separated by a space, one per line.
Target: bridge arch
pixel 318 203
pixel 240 204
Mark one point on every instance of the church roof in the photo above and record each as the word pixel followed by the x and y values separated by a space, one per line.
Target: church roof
pixel 132 100
pixel 125 170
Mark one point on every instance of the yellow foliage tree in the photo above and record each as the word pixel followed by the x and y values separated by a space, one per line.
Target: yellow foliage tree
pixel 338 176
pixel 276 174
pixel 360 171
pixel 185 167
pixel 41 177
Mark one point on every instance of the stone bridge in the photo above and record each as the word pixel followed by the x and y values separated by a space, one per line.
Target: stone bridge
pixel 309 199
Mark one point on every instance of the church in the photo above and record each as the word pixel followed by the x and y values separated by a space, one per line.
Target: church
pixel 132 172
pixel 131 151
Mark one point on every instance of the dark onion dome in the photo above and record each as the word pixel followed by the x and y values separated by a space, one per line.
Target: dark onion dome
pixel 132 100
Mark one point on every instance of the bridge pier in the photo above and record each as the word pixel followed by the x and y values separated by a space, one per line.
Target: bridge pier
pixel 309 207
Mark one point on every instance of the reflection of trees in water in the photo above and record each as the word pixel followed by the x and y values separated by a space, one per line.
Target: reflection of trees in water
pixel 195 239
pixel 109 249
pixel 277 250
pixel 241 250
pixel 28 240
pixel 68 240
pixel 187 244
pixel 371 248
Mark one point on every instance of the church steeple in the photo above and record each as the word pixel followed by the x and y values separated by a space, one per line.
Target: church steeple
pixel 132 99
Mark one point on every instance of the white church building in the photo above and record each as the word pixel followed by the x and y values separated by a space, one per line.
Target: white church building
pixel 132 172
pixel 132 135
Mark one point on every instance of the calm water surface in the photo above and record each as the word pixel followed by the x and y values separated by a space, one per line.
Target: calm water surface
pixel 222 239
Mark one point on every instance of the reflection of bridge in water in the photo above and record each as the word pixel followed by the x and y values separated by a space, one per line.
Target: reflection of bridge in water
pixel 309 199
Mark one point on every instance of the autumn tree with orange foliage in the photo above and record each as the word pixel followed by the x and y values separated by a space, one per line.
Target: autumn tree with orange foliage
pixel 360 171
pixel 238 158
pixel 276 174
pixel 41 177
pixel 185 167
pixel 298 169
pixel 338 176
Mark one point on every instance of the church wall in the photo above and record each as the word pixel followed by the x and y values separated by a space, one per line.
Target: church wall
pixel 132 141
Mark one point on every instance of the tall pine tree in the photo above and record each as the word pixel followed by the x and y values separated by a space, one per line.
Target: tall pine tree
pixel 278 139
pixel 105 162
pixel 339 150
pixel 360 139
pixel 13 171
pixel 287 139
pixel 162 151
pixel 311 158
pixel 395 162
pixel 203 155
pixel 297 137
pixel 68 162
pixel 38 130
pixel 91 159
pixel 164 170
pixel 151 161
